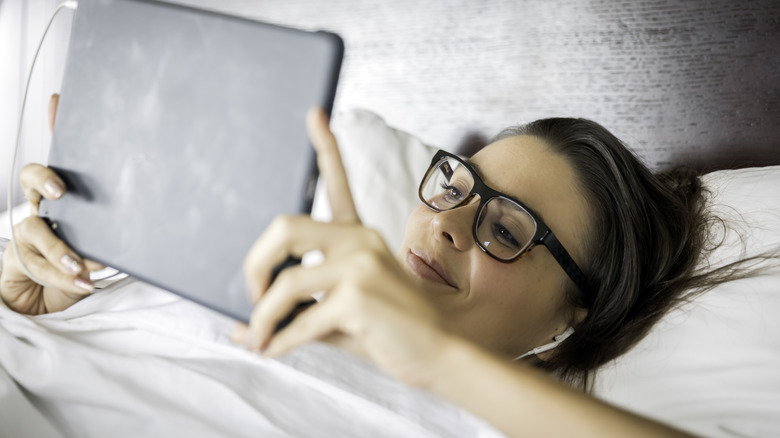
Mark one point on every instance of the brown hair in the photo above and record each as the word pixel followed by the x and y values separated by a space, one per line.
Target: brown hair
pixel 649 230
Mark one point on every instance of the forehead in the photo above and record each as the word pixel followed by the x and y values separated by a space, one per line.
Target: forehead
pixel 527 169
pixel 523 166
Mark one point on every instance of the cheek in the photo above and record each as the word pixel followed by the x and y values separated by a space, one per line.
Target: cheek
pixel 416 224
pixel 527 282
pixel 421 214
pixel 510 308
pixel 489 276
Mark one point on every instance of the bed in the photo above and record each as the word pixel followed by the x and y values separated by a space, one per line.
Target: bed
pixel 694 83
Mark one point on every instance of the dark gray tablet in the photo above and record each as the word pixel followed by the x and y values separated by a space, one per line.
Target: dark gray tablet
pixel 180 134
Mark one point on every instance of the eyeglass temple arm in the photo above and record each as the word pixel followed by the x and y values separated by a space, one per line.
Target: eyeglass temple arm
pixel 564 259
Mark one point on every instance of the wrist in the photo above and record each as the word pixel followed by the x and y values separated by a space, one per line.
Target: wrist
pixel 453 352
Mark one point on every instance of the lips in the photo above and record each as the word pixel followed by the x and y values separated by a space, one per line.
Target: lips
pixel 427 268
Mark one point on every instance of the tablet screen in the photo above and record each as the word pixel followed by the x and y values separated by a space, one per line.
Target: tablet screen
pixel 180 134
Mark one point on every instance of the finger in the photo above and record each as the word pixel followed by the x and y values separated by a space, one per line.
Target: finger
pixel 291 236
pixel 331 167
pixel 239 333
pixel 293 286
pixel 34 197
pixel 40 181
pixel 313 324
pixel 92 265
pixel 73 286
pixel 53 102
pixel 58 300
pixel 36 235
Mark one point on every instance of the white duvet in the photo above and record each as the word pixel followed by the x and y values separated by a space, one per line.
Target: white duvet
pixel 138 361
pixel 141 362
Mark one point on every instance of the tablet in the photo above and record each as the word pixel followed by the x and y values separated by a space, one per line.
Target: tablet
pixel 180 134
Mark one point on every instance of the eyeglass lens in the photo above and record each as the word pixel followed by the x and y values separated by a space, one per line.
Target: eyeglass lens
pixel 502 228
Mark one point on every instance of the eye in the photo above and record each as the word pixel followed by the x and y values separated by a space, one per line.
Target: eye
pixel 504 236
pixel 451 194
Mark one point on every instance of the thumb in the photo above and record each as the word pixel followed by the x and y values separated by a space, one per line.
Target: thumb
pixel 55 99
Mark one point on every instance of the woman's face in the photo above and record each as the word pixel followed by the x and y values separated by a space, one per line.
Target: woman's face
pixel 507 307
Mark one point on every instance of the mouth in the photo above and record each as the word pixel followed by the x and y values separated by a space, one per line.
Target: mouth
pixel 427 268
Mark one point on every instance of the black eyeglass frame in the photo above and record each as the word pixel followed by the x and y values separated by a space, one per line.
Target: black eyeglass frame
pixel 542 236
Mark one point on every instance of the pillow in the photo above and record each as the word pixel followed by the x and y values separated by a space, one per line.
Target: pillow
pixel 384 166
pixel 711 367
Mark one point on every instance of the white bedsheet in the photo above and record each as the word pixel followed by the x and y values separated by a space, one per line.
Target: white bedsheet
pixel 139 361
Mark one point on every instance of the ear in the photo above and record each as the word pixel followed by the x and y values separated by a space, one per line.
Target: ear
pixel 560 334
pixel 541 351
pixel 578 316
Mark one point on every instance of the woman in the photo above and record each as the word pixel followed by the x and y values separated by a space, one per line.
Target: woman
pixel 552 243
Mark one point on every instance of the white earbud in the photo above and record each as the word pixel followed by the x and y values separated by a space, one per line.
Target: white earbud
pixel 547 347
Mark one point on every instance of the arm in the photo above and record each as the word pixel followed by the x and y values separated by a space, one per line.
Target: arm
pixel 372 301
pixel 521 401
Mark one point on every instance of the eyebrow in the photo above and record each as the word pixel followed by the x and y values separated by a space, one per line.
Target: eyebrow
pixel 474 166
pixel 481 175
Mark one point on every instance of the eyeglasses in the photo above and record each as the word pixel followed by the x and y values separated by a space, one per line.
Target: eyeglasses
pixel 504 227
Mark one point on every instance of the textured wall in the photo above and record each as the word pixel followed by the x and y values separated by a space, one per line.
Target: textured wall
pixel 694 81
pixel 681 81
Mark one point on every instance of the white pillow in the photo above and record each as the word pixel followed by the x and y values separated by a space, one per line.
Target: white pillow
pixel 384 166
pixel 711 367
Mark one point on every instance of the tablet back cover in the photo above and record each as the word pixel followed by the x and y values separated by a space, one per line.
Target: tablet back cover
pixel 180 134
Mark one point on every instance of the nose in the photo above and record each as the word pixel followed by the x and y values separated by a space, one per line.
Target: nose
pixel 453 227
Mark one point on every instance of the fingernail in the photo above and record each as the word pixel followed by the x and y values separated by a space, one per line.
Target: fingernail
pixel 84 284
pixel 270 349
pixel 250 341
pixel 54 188
pixel 71 263
pixel 238 335
pixel 250 292
pixel 255 344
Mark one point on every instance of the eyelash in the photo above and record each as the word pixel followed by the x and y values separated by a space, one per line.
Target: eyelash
pixel 509 240
pixel 446 186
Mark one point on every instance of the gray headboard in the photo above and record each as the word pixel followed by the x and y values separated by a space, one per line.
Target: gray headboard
pixel 694 82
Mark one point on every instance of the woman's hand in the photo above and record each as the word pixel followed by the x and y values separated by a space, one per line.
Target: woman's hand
pixel 44 254
pixel 369 297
